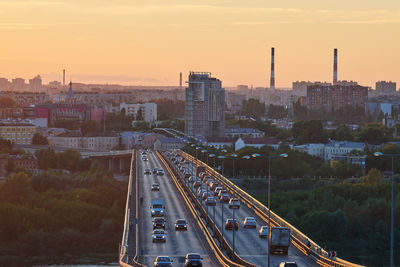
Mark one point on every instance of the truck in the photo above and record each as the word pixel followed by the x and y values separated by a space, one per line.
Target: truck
pixel 280 240
pixel 157 207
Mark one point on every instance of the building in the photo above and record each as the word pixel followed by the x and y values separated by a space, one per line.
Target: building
pixel 148 110
pixel 335 97
pixel 220 142
pixel 6 113
pixel 26 98
pixel 234 102
pixel 17 133
pixel 342 148
pixel 35 84
pixel 18 84
pixel 317 150
pixel 383 103
pixel 168 143
pixel 240 132
pixel 301 86
pixel 256 142
pixel 74 140
pixel 385 88
pixel 25 162
pixel 4 84
pixel 204 106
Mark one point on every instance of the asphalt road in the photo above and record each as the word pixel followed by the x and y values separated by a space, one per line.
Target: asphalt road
pixel 248 245
pixel 178 243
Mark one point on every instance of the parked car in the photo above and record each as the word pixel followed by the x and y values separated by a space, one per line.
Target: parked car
pixel 249 222
pixel 181 224
pixel 234 203
pixel 155 187
pixel 162 261
pixel 193 259
pixel 159 236
pixel 231 223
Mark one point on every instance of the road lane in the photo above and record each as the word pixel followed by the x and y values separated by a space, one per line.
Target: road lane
pixel 178 243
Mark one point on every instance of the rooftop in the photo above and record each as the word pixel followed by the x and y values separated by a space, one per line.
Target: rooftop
pixel 261 140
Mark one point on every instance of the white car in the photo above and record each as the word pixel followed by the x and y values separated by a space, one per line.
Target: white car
pixel 263 232
pixel 249 222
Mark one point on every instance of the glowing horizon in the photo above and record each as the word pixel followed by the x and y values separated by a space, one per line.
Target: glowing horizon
pixel 149 42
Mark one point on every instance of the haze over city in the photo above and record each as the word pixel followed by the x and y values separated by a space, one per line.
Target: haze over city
pixel 150 42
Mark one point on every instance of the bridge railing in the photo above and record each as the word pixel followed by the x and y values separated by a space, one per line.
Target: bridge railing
pixel 129 230
pixel 298 238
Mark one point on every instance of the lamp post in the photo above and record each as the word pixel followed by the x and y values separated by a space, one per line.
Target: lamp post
pixel 202 154
pixel 269 199
pixel 212 156
pixel 223 159
pixel 233 157
pixel 379 154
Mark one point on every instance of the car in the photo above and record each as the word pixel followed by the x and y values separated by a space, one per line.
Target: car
pixel 231 223
pixel 187 174
pixel 147 171
pixel 288 264
pixel 225 198
pixel 211 201
pixel 180 224
pixel 249 222
pixel 155 170
pixel 263 232
pixel 200 192
pixel 223 191
pixel 159 223
pixel 144 158
pixel 214 185
pixel 234 203
pixel 197 183
pixel 191 179
pixel 206 194
pixel 159 236
pixel 162 261
pixel 155 187
pixel 193 259
pixel 160 172
pixel 217 190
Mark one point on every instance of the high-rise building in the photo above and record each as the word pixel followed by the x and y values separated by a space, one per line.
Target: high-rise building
pixel 18 84
pixel 385 88
pixel 333 97
pixel 35 84
pixel 204 106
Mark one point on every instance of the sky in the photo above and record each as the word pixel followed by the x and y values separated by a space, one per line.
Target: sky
pixel 148 42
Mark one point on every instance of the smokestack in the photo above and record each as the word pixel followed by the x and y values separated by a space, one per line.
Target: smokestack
pixel 335 66
pixel 63 77
pixel 180 80
pixel 272 82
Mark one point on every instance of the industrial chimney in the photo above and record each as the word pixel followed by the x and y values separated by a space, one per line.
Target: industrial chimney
pixel 272 82
pixel 180 80
pixel 335 66
pixel 63 77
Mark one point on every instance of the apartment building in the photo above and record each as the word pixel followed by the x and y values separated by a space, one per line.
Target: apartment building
pixel 17 133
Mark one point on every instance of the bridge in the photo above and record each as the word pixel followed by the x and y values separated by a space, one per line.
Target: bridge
pixel 206 234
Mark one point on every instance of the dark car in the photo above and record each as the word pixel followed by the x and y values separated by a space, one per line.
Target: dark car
pixel 155 187
pixel 231 223
pixel 159 236
pixel 155 170
pixel 193 259
pixel 162 261
pixel 147 171
pixel 160 172
pixel 225 198
pixel 180 224
pixel 159 223
pixel 197 183
pixel 288 264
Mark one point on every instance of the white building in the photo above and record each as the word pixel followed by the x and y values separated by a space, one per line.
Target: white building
pixel 256 142
pixel 149 110
pixel 317 150
pixel 75 141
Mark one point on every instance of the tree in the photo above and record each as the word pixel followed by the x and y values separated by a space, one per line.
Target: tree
pixel 7 102
pixel 17 189
pixel 139 115
pixel 277 112
pixel 46 158
pixel 342 133
pixel 374 176
pixel 5 145
pixel 39 139
pixel 309 132
pixel 374 133
pixel 90 127
pixel 253 108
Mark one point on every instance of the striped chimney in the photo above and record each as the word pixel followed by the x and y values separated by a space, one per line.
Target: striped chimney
pixel 335 66
pixel 272 82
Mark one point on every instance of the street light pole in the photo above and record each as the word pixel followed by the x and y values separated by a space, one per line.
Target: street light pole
pixel 377 154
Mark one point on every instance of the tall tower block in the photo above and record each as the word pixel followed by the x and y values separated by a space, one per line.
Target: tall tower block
pixel 63 77
pixel 272 81
pixel 335 66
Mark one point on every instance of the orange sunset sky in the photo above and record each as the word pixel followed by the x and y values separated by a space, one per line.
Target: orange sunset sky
pixel 149 42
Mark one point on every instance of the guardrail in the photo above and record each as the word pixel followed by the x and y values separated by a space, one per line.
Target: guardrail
pixel 298 238
pixel 182 187
pixel 124 255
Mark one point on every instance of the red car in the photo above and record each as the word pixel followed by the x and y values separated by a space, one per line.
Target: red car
pixel 231 223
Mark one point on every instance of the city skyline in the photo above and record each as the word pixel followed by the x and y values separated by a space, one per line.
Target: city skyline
pixel 151 42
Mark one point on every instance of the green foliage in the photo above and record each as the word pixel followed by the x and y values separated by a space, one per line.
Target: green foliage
pixel 141 126
pixel 309 132
pixel 374 176
pixel 54 217
pixel 69 159
pixel 5 145
pixel 277 112
pixel 39 139
pixel 173 124
pixel 91 127
pixel 374 133
pixel 352 219
pixel 342 133
pixel 67 124
pixel 118 122
pixel 7 102
pixel 253 108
